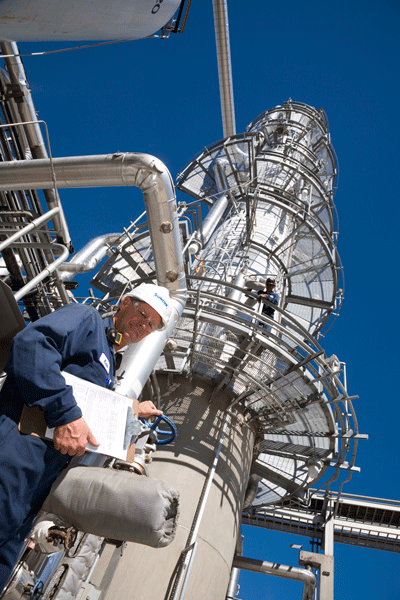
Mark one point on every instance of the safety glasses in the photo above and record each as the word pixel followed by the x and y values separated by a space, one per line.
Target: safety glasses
pixel 144 316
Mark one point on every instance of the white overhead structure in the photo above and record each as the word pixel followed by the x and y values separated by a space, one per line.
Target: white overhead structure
pixel 53 20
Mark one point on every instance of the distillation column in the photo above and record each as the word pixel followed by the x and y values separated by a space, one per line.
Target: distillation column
pixel 246 399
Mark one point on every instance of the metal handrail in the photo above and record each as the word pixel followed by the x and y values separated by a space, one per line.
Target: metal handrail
pixel 33 226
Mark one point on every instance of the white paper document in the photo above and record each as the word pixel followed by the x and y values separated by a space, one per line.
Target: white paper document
pixel 104 411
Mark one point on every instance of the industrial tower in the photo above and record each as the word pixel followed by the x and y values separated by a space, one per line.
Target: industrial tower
pixel 258 405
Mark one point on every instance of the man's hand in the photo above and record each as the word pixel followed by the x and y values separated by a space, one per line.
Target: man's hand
pixel 147 409
pixel 72 438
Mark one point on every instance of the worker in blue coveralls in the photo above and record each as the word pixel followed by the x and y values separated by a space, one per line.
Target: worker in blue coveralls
pixel 272 296
pixel 75 339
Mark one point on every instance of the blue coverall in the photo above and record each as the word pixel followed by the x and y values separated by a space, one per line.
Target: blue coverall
pixel 272 297
pixel 70 339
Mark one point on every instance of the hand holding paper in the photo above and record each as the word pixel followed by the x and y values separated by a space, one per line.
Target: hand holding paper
pixel 73 437
pixel 103 422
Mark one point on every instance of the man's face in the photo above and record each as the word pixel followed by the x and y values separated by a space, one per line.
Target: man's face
pixel 270 287
pixel 134 320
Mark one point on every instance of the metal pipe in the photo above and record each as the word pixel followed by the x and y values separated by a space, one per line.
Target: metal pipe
pixel 33 226
pixel 213 217
pixel 233 587
pixel 51 248
pixel 221 26
pixel 306 576
pixel 89 256
pixel 32 131
pixel 46 272
pixel 153 178
pixel 26 107
pixel 120 169
pixel 15 117
pixel 235 294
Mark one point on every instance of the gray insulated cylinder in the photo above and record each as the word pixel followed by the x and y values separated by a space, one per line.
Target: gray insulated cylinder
pixel 147 573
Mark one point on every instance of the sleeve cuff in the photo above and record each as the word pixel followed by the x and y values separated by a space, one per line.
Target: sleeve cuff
pixel 67 416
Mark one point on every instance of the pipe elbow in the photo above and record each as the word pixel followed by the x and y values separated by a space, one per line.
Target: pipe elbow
pixel 145 172
pixel 308 577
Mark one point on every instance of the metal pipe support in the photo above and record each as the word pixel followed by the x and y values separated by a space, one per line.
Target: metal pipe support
pixel 305 575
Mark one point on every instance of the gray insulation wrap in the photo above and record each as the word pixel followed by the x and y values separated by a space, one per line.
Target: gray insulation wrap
pixel 116 504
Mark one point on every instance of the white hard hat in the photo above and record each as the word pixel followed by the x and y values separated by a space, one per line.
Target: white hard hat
pixel 155 296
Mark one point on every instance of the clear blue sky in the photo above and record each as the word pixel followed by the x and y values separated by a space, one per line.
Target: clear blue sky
pixel 161 97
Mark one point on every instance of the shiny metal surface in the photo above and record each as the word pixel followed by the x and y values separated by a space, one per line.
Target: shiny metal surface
pixel 51 268
pixel 89 20
pixel 221 202
pixel 224 66
pixel 89 256
pixel 135 169
pixel 27 116
pixel 269 196
pixel 305 575
pixel 19 585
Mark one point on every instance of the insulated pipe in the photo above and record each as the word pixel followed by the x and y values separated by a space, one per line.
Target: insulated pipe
pixel 138 360
pixel 233 586
pixel 153 178
pixel 110 170
pixel 221 26
pixel 234 294
pixel 306 576
pixel 33 132
pixel 89 256
pixel 213 217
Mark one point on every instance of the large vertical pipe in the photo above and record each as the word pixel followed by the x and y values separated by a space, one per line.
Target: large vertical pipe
pixel 149 573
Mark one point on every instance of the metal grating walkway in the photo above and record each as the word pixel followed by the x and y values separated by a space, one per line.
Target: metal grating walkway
pixel 358 520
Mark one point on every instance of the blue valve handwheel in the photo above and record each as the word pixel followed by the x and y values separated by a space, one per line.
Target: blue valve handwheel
pixel 173 432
